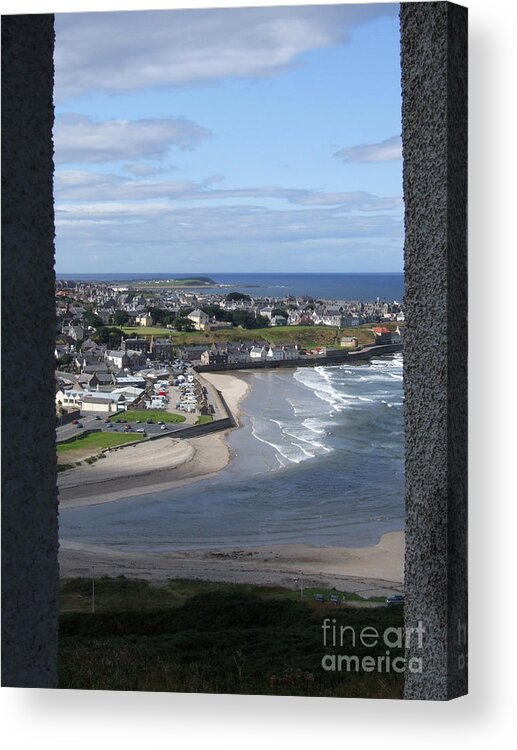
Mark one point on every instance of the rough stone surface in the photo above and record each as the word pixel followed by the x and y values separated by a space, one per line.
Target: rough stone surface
pixel 29 498
pixel 434 114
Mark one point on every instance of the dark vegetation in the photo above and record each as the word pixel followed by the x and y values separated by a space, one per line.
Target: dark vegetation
pixel 194 636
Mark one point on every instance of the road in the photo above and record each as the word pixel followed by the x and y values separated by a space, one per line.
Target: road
pixel 90 422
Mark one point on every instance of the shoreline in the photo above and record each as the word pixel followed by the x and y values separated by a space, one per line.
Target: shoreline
pixel 154 466
pixel 370 571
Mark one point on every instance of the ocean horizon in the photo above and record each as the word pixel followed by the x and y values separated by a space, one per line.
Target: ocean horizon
pixel 366 287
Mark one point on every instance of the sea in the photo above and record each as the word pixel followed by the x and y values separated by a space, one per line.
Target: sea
pixel 366 287
pixel 319 459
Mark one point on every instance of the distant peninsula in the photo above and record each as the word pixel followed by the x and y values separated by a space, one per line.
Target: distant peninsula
pixel 191 281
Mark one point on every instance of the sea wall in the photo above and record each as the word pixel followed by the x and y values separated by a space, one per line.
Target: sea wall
pixel 322 361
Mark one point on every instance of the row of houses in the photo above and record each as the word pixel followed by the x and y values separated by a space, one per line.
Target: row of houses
pixel 238 353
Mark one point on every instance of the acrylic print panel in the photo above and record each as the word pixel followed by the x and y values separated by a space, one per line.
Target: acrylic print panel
pixel 228 353
pixel 230 290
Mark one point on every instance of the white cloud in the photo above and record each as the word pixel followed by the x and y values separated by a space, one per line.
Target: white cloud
pixel 129 51
pixel 75 185
pixel 145 170
pixel 372 153
pixel 79 138
pixel 157 235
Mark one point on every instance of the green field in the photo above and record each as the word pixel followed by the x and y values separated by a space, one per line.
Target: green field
pixel 307 337
pixel 204 419
pixel 195 636
pixel 157 415
pixel 97 440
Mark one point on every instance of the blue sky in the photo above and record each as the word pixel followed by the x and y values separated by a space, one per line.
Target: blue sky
pixel 259 139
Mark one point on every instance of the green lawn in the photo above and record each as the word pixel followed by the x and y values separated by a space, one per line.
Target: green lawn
pixel 307 337
pixel 94 440
pixel 205 419
pixel 157 415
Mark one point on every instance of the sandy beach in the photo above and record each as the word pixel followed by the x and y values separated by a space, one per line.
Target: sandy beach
pixel 152 466
pixel 169 463
pixel 369 571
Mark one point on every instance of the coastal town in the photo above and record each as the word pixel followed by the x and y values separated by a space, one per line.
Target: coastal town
pixel 120 348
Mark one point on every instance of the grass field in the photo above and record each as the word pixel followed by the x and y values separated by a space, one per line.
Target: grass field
pixel 204 419
pixel 195 636
pixel 307 337
pixel 157 415
pixel 96 440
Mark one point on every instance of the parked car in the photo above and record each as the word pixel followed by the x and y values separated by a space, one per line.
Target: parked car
pixel 334 598
pixel 318 598
pixel 75 421
pixel 149 421
pixel 96 416
pixel 163 427
pixel 141 429
pixel 396 600
pixel 79 425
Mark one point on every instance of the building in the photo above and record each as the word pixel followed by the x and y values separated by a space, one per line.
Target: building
pixel 136 345
pixel 258 353
pixel 144 319
pixel 107 403
pixel 275 353
pixel 162 349
pixel 200 320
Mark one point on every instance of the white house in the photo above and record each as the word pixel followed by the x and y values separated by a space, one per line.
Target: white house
pixel 144 319
pixel 200 319
pixel 258 352
pixel 69 398
pixel 97 401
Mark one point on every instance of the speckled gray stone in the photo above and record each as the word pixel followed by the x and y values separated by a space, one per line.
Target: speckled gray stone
pixel 434 89
pixel 29 498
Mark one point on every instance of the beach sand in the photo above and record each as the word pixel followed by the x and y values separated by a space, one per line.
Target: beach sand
pixel 369 571
pixel 169 463
pixel 153 466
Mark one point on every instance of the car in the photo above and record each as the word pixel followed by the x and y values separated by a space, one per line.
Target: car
pixel 118 420
pixel 107 421
pixel 163 427
pixel 79 425
pixel 395 600
pixel 141 429
pixel 159 422
pixel 318 598
pixel 149 421
pixel 109 426
pixel 75 421
pixel 96 416
pixel 334 598
pixel 137 421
